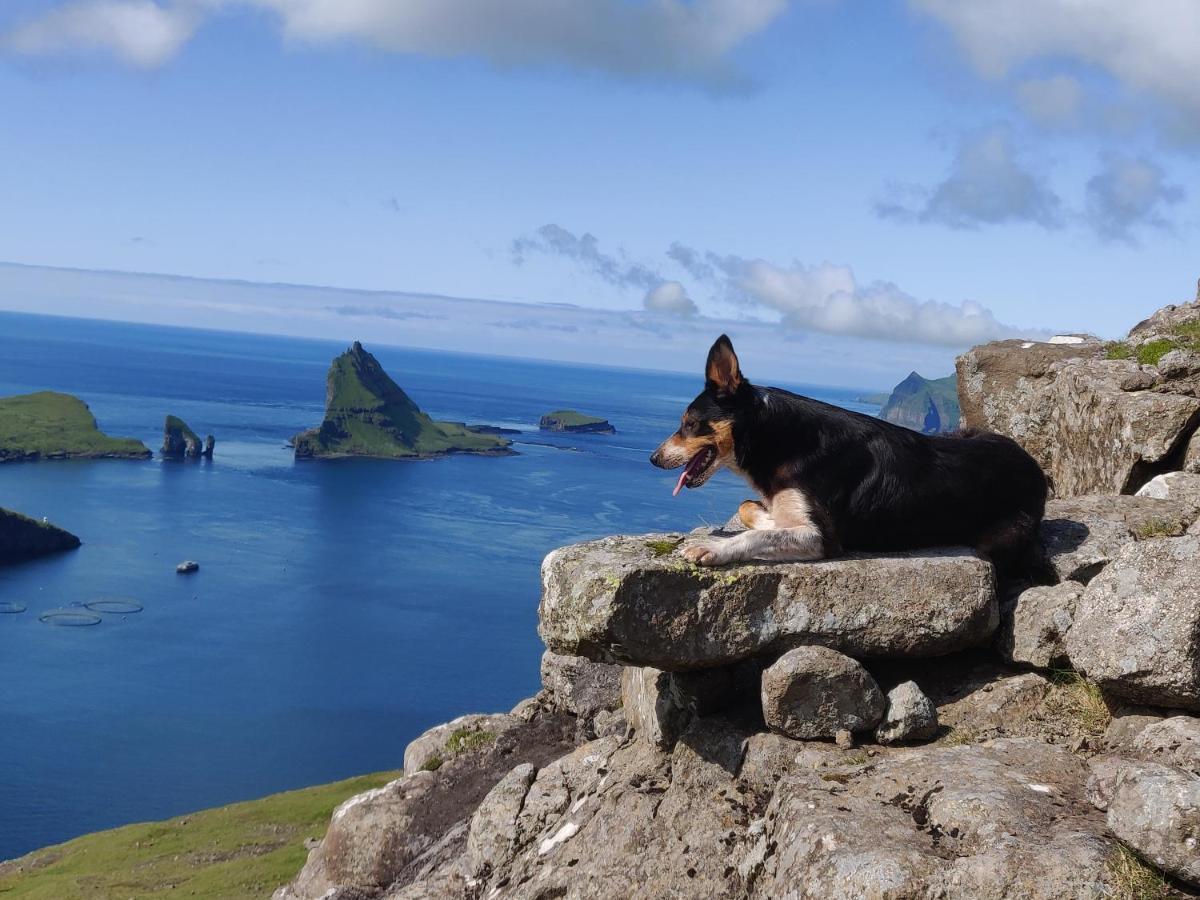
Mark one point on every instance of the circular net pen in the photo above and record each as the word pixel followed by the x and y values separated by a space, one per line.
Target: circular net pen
pixel 11 607
pixel 76 617
pixel 120 606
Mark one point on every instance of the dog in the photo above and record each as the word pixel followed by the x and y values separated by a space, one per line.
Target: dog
pixel 833 481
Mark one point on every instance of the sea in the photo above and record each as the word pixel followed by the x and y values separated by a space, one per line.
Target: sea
pixel 341 608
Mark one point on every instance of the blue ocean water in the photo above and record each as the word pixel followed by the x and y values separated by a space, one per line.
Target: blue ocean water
pixel 342 607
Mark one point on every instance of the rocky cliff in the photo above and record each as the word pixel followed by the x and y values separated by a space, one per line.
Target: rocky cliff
pixel 869 726
pixel 23 538
pixel 923 404
pixel 180 442
pixel 1101 417
pixel 368 414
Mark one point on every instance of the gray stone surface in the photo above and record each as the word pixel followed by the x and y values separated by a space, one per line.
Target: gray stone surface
pixel 1155 809
pixel 1180 487
pixel 435 746
pixel 618 599
pixel 1096 426
pixel 1137 624
pixel 652 707
pixel 909 716
pixel 815 692
pixel 1033 630
pixel 1081 535
pixel 1174 741
pixel 579 686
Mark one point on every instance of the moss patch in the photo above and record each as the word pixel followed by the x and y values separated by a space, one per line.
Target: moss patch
pixel 243 850
pixel 432 764
pixel 1181 337
pixel 1157 528
pixel 464 739
pixel 663 548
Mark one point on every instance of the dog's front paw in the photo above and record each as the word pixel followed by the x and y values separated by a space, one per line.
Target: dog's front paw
pixel 706 553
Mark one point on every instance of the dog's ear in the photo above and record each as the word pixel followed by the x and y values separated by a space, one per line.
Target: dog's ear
pixel 722 373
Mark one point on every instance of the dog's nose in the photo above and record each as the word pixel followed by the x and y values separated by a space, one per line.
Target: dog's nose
pixel 656 458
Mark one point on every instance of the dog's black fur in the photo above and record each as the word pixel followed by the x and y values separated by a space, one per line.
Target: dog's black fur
pixel 870 485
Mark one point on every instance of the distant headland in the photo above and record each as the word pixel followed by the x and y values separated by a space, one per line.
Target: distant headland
pixel 569 420
pixel 50 425
pixel 368 414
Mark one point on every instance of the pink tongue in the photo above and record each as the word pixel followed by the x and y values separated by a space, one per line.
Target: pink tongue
pixel 679 483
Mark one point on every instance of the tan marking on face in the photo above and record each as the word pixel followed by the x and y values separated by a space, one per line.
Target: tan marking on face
pixel 676 450
pixel 753 514
pixel 722 436
pixel 790 508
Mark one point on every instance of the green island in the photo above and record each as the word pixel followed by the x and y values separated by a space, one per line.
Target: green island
pixel 575 422
pixel 368 414
pixel 242 850
pixel 23 538
pixel 928 405
pixel 50 425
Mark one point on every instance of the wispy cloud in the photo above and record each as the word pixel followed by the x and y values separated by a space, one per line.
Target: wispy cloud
pixel 1127 194
pixel 670 297
pixel 1148 46
pixel 670 39
pixel 988 184
pixel 584 249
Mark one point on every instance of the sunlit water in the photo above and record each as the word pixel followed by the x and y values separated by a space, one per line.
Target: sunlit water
pixel 342 606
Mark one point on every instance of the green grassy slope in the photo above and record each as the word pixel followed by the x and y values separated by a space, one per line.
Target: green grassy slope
pixel 246 850
pixel 52 425
pixel 368 414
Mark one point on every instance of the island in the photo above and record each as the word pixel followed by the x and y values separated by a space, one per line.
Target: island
pixel 569 420
pixel 23 538
pixel 180 442
pixel 928 405
pixel 50 425
pixel 368 414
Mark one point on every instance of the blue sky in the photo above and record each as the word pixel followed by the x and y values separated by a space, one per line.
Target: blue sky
pixel 881 184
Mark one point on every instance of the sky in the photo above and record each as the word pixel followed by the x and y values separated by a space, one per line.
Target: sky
pixel 850 189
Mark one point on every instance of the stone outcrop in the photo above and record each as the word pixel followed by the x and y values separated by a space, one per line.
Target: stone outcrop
pixel 1101 419
pixel 180 442
pixel 1136 624
pixel 784 730
pixel 1081 535
pixel 624 599
pixel 23 539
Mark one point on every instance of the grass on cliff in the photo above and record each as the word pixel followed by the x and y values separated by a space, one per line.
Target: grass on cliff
pixel 571 418
pixel 1132 879
pixel 245 850
pixel 1183 337
pixel 51 424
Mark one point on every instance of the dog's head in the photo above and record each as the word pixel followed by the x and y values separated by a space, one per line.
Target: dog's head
pixel 704 441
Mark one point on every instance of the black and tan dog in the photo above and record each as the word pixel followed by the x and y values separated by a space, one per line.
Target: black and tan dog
pixel 832 480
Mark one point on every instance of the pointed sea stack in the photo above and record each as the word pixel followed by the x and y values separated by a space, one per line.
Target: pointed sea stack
pixel 368 414
pixel 180 442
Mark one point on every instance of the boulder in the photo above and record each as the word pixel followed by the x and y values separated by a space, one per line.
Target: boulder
pixel 1191 455
pixel 1033 630
pixel 1155 809
pixel 1095 425
pixel 581 687
pixel 492 836
pixel 1182 487
pixel 636 600
pixel 444 742
pixel 1137 624
pixel 815 692
pixel 1081 535
pixel 1005 819
pixel 1174 741
pixel 910 716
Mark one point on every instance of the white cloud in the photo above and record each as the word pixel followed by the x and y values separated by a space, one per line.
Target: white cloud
pixel 657 38
pixel 1127 193
pixel 829 299
pixel 584 249
pixel 139 32
pixel 1147 45
pixel 1056 101
pixel 987 185
pixel 670 297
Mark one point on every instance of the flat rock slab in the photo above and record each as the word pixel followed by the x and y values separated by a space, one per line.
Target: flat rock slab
pixel 635 600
